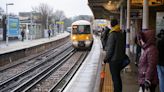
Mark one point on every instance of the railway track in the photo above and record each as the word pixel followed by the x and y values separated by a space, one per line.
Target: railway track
pixel 49 72
pixel 18 79
pixel 67 76
pixel 25 64
pixel 52 78
pixel 41 75
pixel 57 78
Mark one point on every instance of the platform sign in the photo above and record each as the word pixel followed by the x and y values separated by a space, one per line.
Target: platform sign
pixel 59 22
pixel 13 27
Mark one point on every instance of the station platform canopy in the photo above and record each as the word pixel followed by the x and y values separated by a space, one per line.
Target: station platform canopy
pixel 102 9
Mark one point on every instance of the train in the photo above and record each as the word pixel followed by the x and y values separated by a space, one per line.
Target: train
pixel 68 29
pixel 82 34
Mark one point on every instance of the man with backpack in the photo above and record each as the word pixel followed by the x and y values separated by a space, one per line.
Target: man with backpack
pixel 115 53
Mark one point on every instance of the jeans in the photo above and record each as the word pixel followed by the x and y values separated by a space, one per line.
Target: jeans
pixel 115 68
pixel 160 70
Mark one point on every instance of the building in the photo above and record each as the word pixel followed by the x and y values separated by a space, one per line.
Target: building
pixel 31 22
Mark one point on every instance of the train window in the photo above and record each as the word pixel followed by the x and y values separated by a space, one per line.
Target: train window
pixel 81 29
pixel 74 30
pixel 87 29
pixel 84 29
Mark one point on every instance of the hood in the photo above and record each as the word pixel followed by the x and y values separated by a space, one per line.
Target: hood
pixel 149 37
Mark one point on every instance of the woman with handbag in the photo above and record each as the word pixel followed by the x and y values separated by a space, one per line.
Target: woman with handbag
pixel 147 76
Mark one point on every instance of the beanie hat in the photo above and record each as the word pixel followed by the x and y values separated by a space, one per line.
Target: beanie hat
pixel 113 22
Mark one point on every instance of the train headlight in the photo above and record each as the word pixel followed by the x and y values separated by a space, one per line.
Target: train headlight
pixel 87 38
pixel 73 37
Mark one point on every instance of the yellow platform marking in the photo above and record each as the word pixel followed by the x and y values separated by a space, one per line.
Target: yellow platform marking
pixel 107 85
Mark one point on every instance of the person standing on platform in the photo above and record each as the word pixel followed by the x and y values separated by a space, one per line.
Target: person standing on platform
pixel 115 53
pixel 104 36
pixel 23 34
pixel 147 68
pixel 49 33
pixel 138 51
pixel 160 66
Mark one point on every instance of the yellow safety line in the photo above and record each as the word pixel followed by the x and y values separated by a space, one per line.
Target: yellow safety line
pixel 107 85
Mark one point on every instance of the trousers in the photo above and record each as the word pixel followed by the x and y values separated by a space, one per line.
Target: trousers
pixel 115 69
pixel 160 70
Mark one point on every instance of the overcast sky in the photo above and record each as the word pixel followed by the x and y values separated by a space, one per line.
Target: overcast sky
pixel 70 7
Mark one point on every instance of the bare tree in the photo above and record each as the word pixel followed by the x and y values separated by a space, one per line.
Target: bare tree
pixel 83 17
pixel 67 22
pixel 59 15
pixel 46 11
pixel 1 11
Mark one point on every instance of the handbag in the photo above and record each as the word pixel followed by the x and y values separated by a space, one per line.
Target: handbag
pixel 145 90
pixel 125 62
pixel 140 89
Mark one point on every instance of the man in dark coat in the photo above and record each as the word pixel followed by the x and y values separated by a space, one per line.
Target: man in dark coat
pixel 160 67
pixel 115 53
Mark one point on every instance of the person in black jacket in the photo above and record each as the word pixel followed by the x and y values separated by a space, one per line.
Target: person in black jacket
pixel 115 53
pixel 160 66
pixel 138 51
pixel 104 36
pixel 23 33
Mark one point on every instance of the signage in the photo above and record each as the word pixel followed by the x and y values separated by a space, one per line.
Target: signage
pixel 13 27
pixel 60 22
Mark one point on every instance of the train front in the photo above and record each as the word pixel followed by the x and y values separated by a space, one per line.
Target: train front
pixel 81 35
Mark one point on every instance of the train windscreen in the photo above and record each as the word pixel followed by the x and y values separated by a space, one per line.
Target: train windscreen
pixel 81 29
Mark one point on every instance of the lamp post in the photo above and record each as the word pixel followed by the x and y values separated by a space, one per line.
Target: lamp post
pixel 47 22
pixel 31 32
pixel 7 22
pixel 32 24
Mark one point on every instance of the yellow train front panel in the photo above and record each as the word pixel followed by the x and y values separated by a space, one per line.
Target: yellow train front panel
pixel 82 40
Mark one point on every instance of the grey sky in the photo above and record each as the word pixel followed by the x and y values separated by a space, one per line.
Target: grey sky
pixel 70 7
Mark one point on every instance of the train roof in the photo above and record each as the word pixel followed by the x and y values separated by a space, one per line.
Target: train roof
pixel 81 22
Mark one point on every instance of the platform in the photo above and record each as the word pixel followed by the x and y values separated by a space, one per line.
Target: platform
pixel 18 44
pixel 16 49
